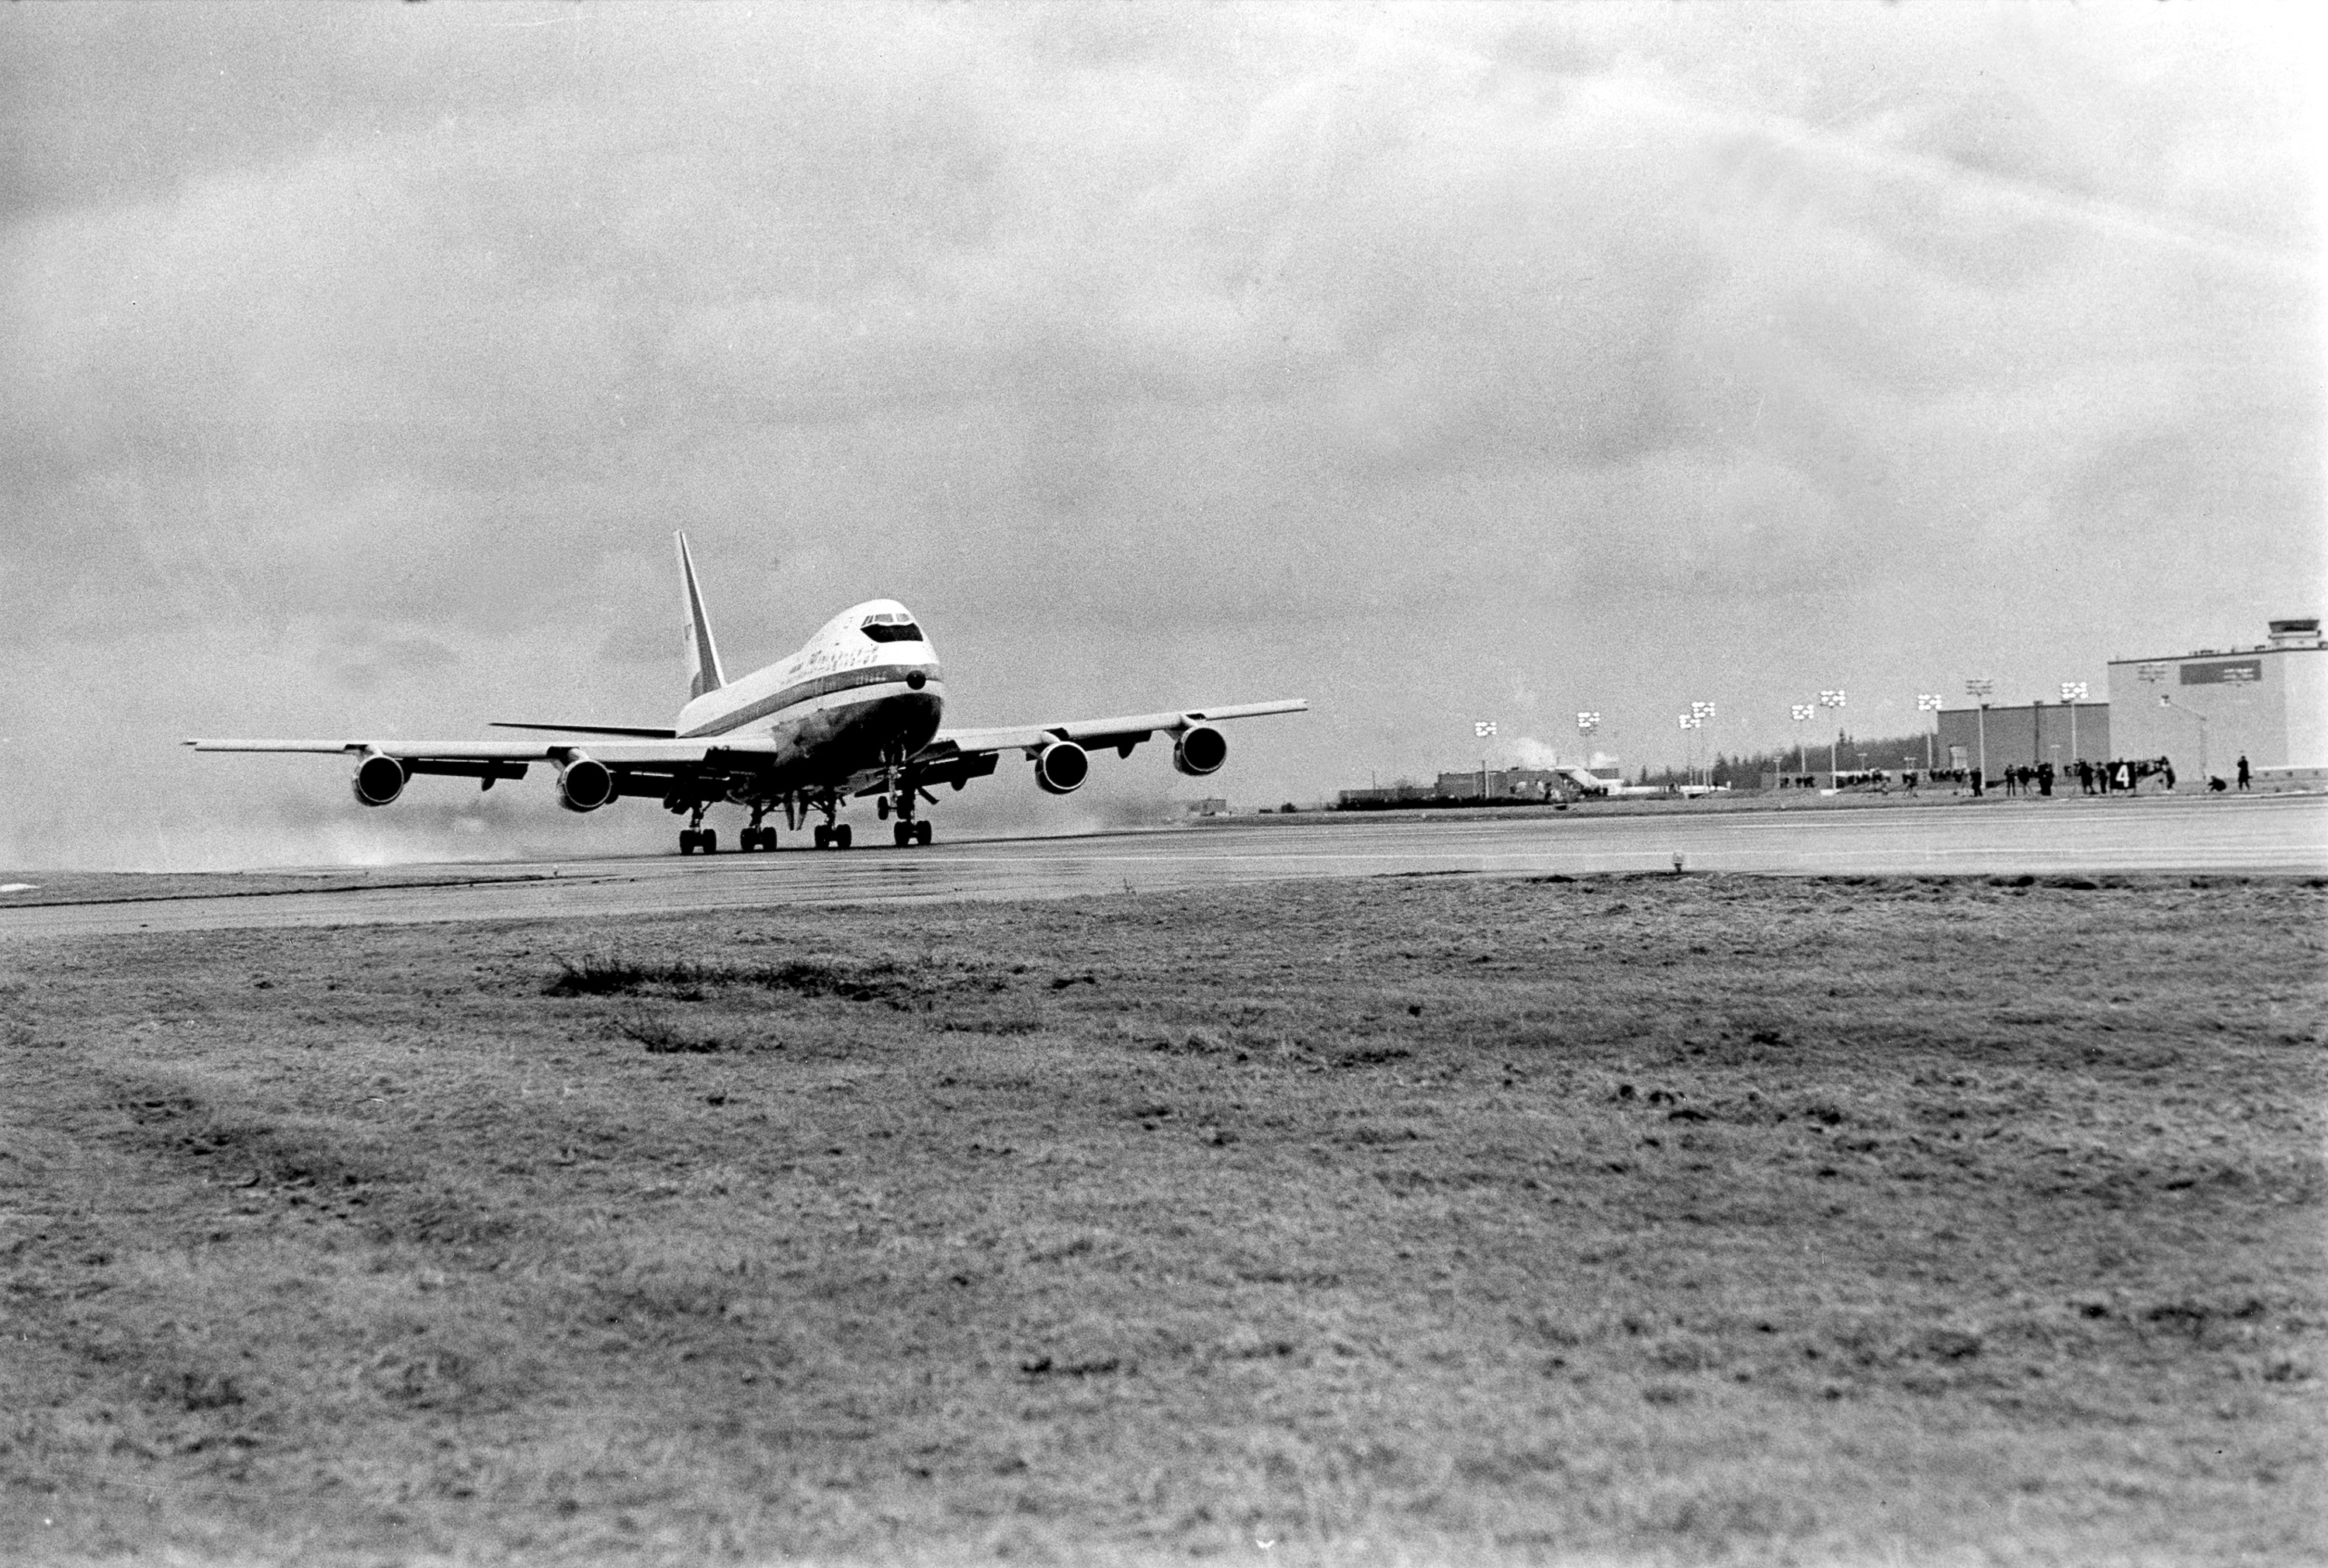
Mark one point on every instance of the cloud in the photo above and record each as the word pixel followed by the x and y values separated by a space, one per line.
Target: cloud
pixel 1154 354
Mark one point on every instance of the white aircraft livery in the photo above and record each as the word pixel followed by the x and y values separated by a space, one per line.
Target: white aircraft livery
pixel 856 712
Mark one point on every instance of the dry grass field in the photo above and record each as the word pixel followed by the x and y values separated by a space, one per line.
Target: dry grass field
pixel 1628 1220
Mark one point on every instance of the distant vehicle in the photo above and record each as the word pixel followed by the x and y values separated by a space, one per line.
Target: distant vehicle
pixel 854 713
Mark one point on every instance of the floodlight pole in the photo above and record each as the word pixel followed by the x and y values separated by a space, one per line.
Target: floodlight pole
pixel 1980 687
pixel 2167 702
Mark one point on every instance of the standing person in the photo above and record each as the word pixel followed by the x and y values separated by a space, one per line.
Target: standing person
pixel 2085 776
pixel 2243 770
pixel 2045 779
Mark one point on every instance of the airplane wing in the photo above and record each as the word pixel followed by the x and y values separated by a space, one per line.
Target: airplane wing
pixel 970 746
pixel 657 768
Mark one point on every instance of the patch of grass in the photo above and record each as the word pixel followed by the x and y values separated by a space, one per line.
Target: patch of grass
pixel 885 980
pixel 1421 1220
pixel 662 1040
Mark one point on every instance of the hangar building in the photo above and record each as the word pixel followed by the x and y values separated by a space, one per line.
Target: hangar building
pixel 2268 702
pixel 2029 734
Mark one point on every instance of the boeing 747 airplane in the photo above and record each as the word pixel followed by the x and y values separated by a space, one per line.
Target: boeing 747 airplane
pixel 856 712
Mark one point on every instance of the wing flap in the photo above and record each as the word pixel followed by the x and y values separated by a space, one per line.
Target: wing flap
pixel 1095 734
pixel 614 752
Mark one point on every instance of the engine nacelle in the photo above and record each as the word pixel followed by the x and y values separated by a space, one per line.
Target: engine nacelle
pixel 585 784
pixel 1061 767
pixel 1201 749
pixel 378 780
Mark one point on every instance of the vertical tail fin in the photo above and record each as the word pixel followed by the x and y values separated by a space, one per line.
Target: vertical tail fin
pixel 703 672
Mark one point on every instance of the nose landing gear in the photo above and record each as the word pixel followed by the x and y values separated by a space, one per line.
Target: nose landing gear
pixel 898 804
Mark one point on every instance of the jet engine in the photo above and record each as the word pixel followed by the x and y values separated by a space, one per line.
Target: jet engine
pixel 1061 767
pixel 1201 749
pixel 378 780
pixel 585 784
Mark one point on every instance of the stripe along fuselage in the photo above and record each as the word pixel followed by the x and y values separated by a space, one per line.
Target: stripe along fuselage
pixel 864 692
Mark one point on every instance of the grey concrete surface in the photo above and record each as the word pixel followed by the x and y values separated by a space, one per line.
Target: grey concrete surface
pixel 2145 834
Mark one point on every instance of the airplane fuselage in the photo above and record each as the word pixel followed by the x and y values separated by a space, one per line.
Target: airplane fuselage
pixel 866 689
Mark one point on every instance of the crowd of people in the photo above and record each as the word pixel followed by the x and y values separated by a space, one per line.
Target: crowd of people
pixel 2120 775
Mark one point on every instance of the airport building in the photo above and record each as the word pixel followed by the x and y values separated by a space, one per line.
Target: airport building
pixel 2206 709
pixel 2023 736
pixel 1478 786
pixel 1497 783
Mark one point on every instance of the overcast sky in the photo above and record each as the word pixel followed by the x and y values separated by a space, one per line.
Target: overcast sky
pixel 1437 364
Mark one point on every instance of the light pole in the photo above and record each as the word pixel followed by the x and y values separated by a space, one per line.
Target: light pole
pixel 2152 673
pixel 1803 712
pixel 1978 688
pixel 2072 693
pixel 2166 701
pixel 1587 721
pixel 1833 699
pixel 1690 724
pixel 1701 712
pixel 1929 702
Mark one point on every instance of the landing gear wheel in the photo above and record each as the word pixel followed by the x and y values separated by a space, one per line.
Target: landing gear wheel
pixel 840 837
pixel 921 832
pixel 823 836
pixel 687 840
pixel 901 834
pixel 709 839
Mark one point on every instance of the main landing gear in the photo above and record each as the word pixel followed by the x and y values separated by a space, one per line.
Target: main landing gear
pixel 758 837
pixel 897 802
pixel 695 837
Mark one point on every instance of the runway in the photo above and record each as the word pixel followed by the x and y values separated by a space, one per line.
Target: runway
pixel 2259 835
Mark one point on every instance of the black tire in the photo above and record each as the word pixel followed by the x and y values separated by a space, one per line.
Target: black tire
pixel 840 836
pixel 901 833
pixel 823 836
pixel 709 839
pixel 687 840
pixel 922 832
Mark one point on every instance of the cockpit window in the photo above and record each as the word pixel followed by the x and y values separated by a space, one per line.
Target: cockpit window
pixel 891 626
